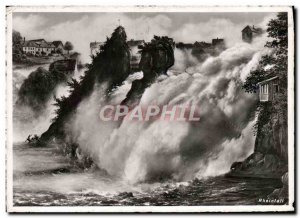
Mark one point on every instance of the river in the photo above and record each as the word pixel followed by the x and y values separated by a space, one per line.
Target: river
pixel 47 179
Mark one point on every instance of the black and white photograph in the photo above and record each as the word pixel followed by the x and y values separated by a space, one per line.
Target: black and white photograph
pixel 157 109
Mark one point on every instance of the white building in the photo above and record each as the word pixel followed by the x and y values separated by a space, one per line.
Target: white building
pixel 38 47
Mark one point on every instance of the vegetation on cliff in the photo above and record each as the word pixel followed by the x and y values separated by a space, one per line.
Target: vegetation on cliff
pixel 39 87
pixel 111 66
pixel 17 40
pixel 274 64
pixel 270 156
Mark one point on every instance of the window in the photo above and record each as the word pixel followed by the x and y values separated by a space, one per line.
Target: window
pixel 264 89
pixel 276 88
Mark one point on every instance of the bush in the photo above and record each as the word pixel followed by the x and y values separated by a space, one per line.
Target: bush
pixel 59 51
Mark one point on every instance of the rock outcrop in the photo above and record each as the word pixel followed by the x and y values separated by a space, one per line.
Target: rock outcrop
pixel 111 66
pixel 156 58
pixel 281 193
pixel 270 156
pixel 67 66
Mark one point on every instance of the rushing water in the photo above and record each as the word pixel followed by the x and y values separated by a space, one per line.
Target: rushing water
pixel 133 154
pixel 43 177
pixel 213 191
pixel 92 188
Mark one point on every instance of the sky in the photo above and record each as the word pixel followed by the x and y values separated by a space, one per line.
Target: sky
pixel 83 28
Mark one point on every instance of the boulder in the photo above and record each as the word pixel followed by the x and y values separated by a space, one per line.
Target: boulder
pixel 281 193
pixel 67 66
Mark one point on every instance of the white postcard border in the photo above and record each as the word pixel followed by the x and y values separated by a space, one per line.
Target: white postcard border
pixel 144 209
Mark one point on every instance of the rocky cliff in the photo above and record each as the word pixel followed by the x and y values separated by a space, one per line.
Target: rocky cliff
pixel 270 156
pixel 157 57
pixel 111 66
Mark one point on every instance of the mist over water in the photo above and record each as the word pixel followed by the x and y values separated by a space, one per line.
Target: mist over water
pixel 174 150
pixel 25 120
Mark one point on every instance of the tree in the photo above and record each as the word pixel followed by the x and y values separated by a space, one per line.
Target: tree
pixel 16 38
pixel 59 51
pixel 273 64
pixel 278 34
pixel 68 46
pixel 17 45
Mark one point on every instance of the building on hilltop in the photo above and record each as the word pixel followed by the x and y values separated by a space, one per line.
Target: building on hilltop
pixel 181 45
pixel 248 33
pixel 202 44
pixel 205 46
pixel 201 49
pixel 218 42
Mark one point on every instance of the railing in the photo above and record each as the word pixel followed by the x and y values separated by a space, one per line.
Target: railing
pixel 264 97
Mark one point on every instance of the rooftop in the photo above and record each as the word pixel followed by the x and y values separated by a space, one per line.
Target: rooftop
pixel 57 43
pixel 253 29
pixel 38 43
pixel 268 80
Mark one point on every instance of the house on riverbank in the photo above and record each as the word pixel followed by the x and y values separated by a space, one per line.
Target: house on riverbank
pixel 41 47
pixel 268 89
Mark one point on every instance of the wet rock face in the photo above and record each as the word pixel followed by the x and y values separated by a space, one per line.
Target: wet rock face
pixel 67 66
pixel 259 165
pixel 270 157
pixel 157 57
pixel 272 138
